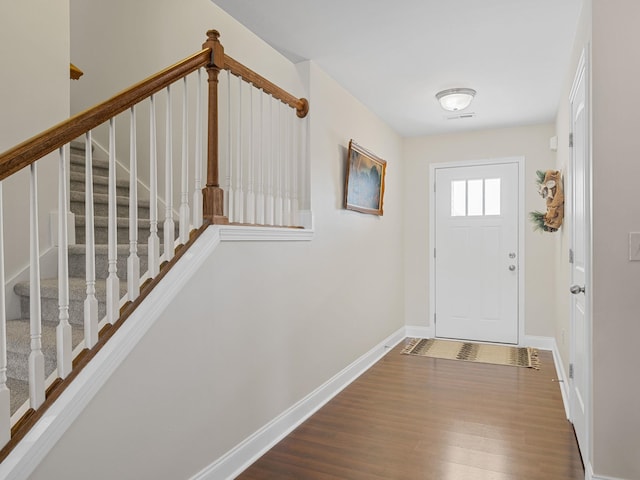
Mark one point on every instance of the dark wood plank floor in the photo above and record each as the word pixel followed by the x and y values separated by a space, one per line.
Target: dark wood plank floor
pixel 421 418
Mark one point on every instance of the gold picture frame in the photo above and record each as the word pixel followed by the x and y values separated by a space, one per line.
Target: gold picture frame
pixel 364 184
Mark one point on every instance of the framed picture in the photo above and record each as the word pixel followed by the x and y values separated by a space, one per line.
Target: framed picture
pixel 364 185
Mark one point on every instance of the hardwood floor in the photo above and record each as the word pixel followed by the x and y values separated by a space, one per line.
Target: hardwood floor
pixel 421 418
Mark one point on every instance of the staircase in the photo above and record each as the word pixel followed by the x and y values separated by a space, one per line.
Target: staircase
pixel 18 337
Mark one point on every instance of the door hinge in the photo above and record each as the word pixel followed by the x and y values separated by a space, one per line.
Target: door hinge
pixel 571 140
pixel 571 255
pixel 434 318
pixel 571 370
pixel 434 253
pixel 434 187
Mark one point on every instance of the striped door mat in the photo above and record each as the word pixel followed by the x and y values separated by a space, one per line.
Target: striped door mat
pixel 473 352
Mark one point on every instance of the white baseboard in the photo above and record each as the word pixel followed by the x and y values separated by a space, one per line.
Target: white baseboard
pixel 419 332
pixel 589 475
pixel 248 451
pixel 541 343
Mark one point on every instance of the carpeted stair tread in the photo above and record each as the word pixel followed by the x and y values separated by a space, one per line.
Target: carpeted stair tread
pixel 104 198
pixel 79 160
pixel 19 393
pixel 101 205
pixel 19 348
pixel 122 222
pixel 77 262
pixel 19 332
pixel 78 176
pixel 100 183
pixel 77 289
pixel 103 249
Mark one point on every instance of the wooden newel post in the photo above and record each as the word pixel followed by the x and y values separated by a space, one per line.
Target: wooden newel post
pixel 213 195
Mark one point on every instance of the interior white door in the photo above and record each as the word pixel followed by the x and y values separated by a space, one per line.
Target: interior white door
pixel 476 252
pixel 580 332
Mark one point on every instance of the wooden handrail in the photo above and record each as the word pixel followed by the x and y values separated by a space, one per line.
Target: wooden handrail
pixel 48 141
pixel 36 147
pixel 74 72
pixel 301 105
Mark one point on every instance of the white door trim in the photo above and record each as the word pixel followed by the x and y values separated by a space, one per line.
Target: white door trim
pixel 583 70
pixel 521 230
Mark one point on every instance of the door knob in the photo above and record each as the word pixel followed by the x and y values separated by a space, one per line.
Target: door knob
pixel 512 267
pixel 576 289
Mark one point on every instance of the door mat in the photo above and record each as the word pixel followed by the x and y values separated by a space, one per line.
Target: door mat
pixel 473 352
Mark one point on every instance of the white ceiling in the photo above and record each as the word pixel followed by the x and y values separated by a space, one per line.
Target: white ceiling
pixel 395 55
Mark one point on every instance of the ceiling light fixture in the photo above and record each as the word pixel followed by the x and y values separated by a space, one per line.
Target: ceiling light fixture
pixel 455 99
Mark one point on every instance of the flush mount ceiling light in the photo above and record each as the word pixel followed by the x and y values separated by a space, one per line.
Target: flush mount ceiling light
pixel 455 99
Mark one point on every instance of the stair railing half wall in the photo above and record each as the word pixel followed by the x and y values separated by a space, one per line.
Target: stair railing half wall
pixel 101 277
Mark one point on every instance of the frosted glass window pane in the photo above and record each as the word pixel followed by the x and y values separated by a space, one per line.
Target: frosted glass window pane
pixel 458 198
pixel 474 192
pixel 492 196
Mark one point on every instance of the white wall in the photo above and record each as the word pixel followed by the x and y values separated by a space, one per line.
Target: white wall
pixel 532 143
pixel 34 95
pixel 616 212
pixel 261 325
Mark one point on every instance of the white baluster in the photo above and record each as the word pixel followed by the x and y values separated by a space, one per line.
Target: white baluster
pixel 184 194
pixel 278 159
pixel 113 282
pixel 5 400
pixel 303 189
pixel 197 190
pixel 91 302
pixel 286 174
pixel 269 170
pixel 63 330
pixel 133 262
pixel 295 207
pixel 153 253
pixel 229 187
pixel 169 226
pixel 36 358
pixel 239 190
pixel 251 198
pixel 260 166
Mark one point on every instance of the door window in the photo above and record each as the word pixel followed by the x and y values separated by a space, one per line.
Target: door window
pixel 475 198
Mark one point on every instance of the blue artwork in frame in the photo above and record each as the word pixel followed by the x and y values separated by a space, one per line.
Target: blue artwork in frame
pixel 364 186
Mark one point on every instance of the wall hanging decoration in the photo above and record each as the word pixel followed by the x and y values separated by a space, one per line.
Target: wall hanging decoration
pixel 364 185
pixel 551 189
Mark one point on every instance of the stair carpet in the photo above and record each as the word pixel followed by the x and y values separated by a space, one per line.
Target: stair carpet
pixel 18 331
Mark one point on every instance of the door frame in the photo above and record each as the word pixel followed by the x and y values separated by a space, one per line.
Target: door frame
pixel 582 70
pixel 520 161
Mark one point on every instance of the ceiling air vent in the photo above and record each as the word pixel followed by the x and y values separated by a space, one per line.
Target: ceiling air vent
pixel 460 116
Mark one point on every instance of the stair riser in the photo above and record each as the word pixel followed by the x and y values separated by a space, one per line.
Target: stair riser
pixel 77 266
pixel 50 311
pixel 100 188
pixel 102 210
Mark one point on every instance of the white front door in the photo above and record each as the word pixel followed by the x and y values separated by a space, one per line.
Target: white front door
pixel 476 252
pixel 580 324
